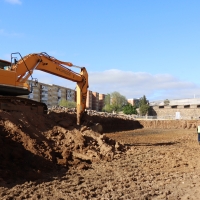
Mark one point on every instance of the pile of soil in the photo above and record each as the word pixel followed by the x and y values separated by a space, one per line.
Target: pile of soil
pixel 160 164
pixel 32 144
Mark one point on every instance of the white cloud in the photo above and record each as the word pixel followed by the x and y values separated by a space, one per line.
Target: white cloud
pixel 131 84
pixel 136 84
pixel 14 1
pixel 5 33
pixel 47 78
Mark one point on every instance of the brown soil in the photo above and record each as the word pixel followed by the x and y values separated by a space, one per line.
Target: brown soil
pixel 50 157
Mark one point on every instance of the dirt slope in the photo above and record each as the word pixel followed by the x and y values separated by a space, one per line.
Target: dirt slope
pixel 31 144
pixel 50 157
pixel 160 164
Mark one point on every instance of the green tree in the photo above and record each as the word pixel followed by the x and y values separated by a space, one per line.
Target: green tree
pixel 129 109
pixel 114 102
pixel 107 99
pixel 67 104
pixel 166 102
pixel 118 101
pixel 107 106
pixel 143 105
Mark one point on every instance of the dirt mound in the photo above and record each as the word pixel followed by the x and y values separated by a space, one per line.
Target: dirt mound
pixel 31 144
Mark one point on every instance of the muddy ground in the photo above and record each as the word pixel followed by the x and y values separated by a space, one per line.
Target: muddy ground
pixel 50 157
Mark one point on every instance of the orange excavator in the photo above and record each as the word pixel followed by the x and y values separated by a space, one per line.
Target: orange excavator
pixel 14 77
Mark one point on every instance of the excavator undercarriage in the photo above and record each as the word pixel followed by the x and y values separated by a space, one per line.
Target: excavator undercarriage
pixel 7 90
pixel 11 103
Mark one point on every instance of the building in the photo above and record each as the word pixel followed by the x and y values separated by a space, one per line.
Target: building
pixel 52 94
pixel 95 101
pixel 176 109
pixel 89 100
pixel 101 101
pixel 134 102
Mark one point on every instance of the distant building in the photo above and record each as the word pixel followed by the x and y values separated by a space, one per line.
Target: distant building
pixel 101 101
pixel 176 109
pixel 95 101
pixel 52 94
pixel 89 100
pixel 134 102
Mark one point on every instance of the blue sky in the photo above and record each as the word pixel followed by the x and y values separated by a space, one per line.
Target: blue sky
pixel 134 47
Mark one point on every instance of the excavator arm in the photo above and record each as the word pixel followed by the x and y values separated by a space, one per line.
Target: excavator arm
pixel 21 70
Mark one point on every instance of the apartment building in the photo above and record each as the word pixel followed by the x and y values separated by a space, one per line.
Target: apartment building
pixel 134 102
pixel 89 100
pixel 52 94
pixel 95 101
pixel 101 101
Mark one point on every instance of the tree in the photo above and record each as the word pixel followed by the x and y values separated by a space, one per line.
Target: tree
pixel 67 104
pixel 107 106
pixel 114 102
pixel 143 105
pixel 129 109
pixel 166 102
pixel 117 101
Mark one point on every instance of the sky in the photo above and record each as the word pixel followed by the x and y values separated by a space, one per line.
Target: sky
pixel 133 47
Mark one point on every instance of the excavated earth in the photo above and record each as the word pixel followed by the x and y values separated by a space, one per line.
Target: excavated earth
pixel 107 157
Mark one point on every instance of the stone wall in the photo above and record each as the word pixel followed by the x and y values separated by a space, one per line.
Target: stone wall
pixel 169 112
pixel 170 124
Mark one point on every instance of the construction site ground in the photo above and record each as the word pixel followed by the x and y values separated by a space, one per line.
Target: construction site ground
pixel 50 157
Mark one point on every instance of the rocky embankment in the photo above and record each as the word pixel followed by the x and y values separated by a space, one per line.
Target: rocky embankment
pixel 115 123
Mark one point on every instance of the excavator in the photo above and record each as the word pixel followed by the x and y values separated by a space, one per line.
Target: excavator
pixel 14 77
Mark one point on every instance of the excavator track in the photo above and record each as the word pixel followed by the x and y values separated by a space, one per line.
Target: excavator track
pixel 12 103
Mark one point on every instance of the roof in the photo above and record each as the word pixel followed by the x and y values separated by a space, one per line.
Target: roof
pixel 172 102
pixel 5 61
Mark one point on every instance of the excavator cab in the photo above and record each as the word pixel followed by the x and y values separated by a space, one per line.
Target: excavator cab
pixel 8 85
pixel 4 65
